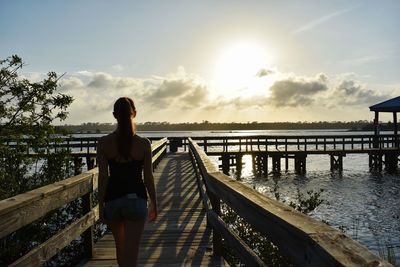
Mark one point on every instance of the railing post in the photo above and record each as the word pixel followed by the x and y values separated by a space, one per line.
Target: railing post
pixel 77 165
pixel 88 235
pixel 217 237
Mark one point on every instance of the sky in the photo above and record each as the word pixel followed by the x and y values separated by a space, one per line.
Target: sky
pixel 220 61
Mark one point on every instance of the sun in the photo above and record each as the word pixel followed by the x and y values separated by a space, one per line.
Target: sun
pixel 237 67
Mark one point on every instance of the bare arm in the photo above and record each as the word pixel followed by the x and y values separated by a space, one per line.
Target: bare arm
pixel 103 175
pixel 149 180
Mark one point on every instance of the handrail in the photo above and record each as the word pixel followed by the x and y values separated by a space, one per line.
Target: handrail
pixel 23 209
pixel 289 144
pixel 305 240
pixel 212 207
pixel 249 143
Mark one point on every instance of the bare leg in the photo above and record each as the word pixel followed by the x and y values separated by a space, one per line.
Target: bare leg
pixel 133 232
pixel 118 231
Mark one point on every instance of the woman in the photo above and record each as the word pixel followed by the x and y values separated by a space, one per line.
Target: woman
pixel 122 157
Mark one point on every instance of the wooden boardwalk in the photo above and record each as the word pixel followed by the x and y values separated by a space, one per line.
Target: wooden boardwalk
pixel 179 237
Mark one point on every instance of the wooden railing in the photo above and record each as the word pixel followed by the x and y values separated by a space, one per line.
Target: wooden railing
pixel 287 143
pixel 283 143
pixel 306 241
pixel 23 209
pixel 74 144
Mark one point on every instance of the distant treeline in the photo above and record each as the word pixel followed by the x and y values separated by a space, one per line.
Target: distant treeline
pixel 206 125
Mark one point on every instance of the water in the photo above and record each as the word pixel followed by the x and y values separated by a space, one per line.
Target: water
pixel 363 204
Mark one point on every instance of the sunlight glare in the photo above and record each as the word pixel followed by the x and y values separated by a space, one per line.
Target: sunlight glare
pixel 237 67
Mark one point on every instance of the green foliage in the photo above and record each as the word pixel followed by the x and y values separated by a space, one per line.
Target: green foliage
pixel 27 110
pixel 307 203
pixel 264 248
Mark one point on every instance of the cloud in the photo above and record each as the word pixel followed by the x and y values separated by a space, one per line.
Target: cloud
pixel 180 90
pixel 105 80
pixel 349 92
pixel 95 93
pixel 70 83
pixel 297 91
pixel 264 72
pixel 84 73
pixel 181 96
pixel 316 22
pixel 294 91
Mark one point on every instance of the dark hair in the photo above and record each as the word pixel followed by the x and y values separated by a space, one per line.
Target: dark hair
pixel 124 108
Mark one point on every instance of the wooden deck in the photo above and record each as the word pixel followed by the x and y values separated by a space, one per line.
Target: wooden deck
pixel 179 237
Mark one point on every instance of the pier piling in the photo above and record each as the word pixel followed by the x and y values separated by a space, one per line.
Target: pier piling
pixel 300 163
pixel 337 162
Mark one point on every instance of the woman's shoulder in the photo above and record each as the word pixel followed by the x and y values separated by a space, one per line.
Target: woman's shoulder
pixel 106 139
pixel 143 140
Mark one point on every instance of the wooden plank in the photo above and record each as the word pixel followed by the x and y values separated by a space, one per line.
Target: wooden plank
pixel 179 236
pixel 45 251
pixel 23 209
pixel 156 145
pixel 164 239
pixel 162 253
pixel 20 200
pixel 158 155
pixel 206 260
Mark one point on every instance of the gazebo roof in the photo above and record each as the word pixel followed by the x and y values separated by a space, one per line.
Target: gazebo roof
pixel 391 105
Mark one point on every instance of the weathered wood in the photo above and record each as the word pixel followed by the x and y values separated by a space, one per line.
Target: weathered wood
pixel 233 240
pixel 23 209
pixel 159 154
pixel 213 219
pixel 217 237
pixel 301 237
pixel 305 240
pixel 156 145
pixel 179 235
pixel 88 235
pixel 43 252
pixel 18 211
pixel 207 260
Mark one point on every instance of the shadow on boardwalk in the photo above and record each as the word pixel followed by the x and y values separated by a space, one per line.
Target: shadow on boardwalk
pixel 179 236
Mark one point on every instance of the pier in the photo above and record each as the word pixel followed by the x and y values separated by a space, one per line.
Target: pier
pixel 383 151
pixel 189 229
pixel 270 154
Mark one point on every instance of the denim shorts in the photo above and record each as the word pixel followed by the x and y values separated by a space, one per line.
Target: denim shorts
pixel 129 207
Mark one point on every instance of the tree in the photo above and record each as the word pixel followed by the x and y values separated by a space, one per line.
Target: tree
pixel 27 110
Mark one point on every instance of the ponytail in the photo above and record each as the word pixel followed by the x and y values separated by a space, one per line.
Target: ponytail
pixel 124 109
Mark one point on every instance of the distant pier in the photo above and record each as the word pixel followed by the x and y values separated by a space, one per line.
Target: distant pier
pixel 383 151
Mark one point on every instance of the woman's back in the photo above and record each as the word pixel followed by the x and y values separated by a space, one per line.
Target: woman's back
pixel 109 145
pixel 125 179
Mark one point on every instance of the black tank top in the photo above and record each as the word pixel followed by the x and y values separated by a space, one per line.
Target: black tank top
pixel 125 178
